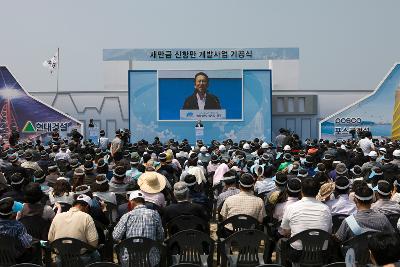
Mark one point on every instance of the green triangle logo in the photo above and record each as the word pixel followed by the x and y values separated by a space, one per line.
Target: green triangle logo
pixel 29 128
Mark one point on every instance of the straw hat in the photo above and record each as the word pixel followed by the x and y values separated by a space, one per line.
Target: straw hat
pixel 325 191
pixel 150 182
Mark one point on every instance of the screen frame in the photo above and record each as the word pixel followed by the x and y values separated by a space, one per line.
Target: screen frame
pixel 205 71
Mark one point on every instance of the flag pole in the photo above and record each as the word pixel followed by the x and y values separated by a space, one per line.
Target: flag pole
pixel 58 68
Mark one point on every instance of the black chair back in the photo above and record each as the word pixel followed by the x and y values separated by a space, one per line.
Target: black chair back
pixel 7 250
pixel 393 219
pixel 69 251
pixel 360 245
pixel 36 226
pixel 190 246
pixel 26 265
pixel 314 243
pixel 139 252
pixel 337 220
pixel 102 264
pixel 239 222
pixel 247 243
pixel 187 222
pixel 336 264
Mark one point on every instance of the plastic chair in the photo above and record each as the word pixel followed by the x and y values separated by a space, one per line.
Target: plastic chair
pixel 314 251
pixel 7 250
pixel 190 246
pixel 139 252
pixel 69 251
pixel 185 265
pixel 187 222
pixel 336 264
pixel 238 222
pixel 26 265
pixel 337 220
pixel 247 243
pixel 360 245
pixel 393 219
pixel 36 226
pixel 102 264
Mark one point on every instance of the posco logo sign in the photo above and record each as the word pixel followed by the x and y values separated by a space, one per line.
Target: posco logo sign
pixel 348 120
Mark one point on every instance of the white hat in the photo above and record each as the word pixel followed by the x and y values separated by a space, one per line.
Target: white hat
pixel 85 198
pixel 343 147
pixel 382 149
pixel 135 194
pixel 265 145
pixel 221 148
pixel 203 149
pixel 246 146
pixel 287 148
pixel 373 154
pixel 396 153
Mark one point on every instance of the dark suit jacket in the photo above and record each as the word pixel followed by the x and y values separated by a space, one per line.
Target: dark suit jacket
pixel 212 102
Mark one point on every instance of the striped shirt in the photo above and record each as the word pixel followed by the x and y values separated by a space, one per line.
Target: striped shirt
pixel 18 231
pixel 368 220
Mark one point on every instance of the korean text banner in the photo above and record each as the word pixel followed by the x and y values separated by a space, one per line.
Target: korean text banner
pixel 254 117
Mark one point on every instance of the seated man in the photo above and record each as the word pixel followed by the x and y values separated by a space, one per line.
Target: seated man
pixel 183 205
pixel 365 219
pixel 140 221
pixel 77 223
pixel 245 202
pixel 230 189
pixel 341 204
pixel 307 213
pixel 383 192
pixel 384 248
pixel 15 229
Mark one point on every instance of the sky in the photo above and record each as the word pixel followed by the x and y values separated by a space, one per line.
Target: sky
pixel 344 45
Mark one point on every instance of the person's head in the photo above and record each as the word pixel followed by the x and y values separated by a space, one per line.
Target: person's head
pixel 342 185
pixel 201 82
pixel 119 173
pixel 181 191
pixel 101 184
pixel 83 202
pixel 229 178
pixel 246 182
pixel 280 179
pixel 136 198
pixel 309 187
pixel 83 189
pixel 39 176
pixel 383 190
pixel 6 205
pixel 32 193
pixel 384 248
pixel 294 187
pixel 17 181
pixel 363 196
pixel 61 186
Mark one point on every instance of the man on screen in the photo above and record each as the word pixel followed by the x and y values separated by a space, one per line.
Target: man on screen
pixel 201 99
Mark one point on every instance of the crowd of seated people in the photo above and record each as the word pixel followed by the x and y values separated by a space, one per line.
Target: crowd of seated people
pixel 76 189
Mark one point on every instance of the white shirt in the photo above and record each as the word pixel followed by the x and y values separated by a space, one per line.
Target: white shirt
pixel 201 102
pixel 307 213
pixel 366 145
pixel 342 205
pixel 281 207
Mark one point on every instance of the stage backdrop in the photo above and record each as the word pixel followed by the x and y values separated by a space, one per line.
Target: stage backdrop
pixel 30 117
pixel 156 97
pixel 378 112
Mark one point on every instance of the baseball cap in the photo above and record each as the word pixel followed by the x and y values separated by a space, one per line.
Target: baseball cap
pixel 136 194
pixel 84 199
